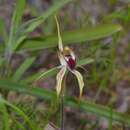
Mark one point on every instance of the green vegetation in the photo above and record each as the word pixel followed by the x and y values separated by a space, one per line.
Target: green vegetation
pixel 103 73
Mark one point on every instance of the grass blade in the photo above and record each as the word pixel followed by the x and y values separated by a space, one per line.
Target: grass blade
pixel 20 71
pixel 32 24
pixel 5 116
pixel 75 36
pixel 16 109
pixel 85 61
pixel 29 26
pixel 1 60
pixel 48 95
pixel 2 31
pixel 18 13
pixel 100 110
pixel 16 19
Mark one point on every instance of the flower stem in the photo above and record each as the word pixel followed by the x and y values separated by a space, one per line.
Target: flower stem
pixel 62 112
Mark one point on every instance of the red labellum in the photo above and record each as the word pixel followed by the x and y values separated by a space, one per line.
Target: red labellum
pixel 71 63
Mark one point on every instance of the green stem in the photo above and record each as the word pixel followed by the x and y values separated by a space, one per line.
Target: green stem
pixel 62 112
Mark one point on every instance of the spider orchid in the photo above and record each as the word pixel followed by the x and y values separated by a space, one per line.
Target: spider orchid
pixel 68 63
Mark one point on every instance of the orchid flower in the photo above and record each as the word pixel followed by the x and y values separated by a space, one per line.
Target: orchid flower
pixel 68 63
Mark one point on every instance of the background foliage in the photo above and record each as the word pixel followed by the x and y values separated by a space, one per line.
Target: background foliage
pixel 99 34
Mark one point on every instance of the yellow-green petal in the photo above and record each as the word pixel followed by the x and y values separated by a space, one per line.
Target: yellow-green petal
pixel 80 80
pixel 59 79
pixel 60 44
pixel 62 59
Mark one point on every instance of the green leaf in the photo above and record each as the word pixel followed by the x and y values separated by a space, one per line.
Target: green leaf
pixel 20 71
pixel 85 61
pixel 53 71
pixel 2 47
pixel 5 119
pixel 16 20
pixel 3 33
pixel 75 36
pixel 100 110
pixel 2 25
pixel 29 26
pixel 122 14
pixel 18 13
pixel 1 60
pixel 32 24
pixel 84 105
pixel 16 109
